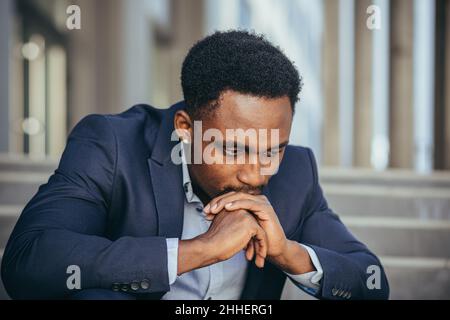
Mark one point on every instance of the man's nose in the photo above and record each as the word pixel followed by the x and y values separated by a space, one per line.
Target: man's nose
pixel 250 174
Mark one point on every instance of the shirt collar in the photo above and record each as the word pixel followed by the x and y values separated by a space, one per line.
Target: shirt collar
pixel 187 184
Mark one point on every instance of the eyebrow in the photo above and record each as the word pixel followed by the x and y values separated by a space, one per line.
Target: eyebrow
pixel 247 148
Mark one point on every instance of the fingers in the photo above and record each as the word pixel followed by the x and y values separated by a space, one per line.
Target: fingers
pixel 260 209
pixel 214 201
pixel 259 260
pixel 217 204
pixel 260 247
pixel 250 251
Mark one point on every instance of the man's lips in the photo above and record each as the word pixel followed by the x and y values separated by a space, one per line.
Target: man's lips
pixel 254 192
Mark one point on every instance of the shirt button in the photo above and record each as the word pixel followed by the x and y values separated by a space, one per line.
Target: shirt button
pixel 145 284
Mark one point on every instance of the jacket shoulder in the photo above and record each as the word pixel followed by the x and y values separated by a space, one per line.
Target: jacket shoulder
pixel 300 157
pixel 298 167
pixel 141 114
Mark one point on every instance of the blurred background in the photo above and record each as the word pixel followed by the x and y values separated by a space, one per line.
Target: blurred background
pixel 375 107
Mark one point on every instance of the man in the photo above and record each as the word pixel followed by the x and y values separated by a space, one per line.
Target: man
pixel 139 216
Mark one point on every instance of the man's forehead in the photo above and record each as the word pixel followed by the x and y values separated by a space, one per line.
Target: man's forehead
pixel 248 133
pixel 239 111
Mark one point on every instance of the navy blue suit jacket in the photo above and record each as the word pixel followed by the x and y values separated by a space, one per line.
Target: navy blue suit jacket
pixel 116 196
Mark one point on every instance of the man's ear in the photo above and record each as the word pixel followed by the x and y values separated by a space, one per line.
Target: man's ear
pixel 183 126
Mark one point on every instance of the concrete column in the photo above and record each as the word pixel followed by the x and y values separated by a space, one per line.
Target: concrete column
pixel 91 61
pixel 423 61
pixel 221 15
pixel 136 52
pixel 442 82
pixel 401 80
pixel 171 44
pixel 108 59
pixel 346 80
pixel 447 92
pixel 331 133
pixel 189 26
pixel 380 87
pixel 363 86
pixel 6 14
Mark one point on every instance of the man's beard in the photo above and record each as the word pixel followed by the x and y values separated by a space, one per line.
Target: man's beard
pixel 245 189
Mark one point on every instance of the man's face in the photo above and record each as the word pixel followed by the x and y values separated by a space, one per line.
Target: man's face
pixel 243 158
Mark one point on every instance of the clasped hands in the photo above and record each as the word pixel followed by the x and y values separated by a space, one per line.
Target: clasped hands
pixel 245 221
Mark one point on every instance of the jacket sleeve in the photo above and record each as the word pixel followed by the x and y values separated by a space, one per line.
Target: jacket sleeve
pixel 64 224
pixel 344 259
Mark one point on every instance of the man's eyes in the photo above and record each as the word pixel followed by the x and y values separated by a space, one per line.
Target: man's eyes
pixel 238 151
pixel 233 151
pixel 271 153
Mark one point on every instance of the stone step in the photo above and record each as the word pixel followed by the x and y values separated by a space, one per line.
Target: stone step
pixel 418 278
pixel 409 278
pixel 8 218
pixel 405 202
pixel 387 236
pixel 3 294
pixel 391 177
pixel 21 163
pixel 17 188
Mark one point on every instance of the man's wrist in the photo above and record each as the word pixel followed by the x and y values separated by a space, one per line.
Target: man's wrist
pixel 294 260
pixel 193 254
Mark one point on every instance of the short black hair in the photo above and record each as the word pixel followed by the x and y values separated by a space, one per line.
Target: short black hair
pixel 236 60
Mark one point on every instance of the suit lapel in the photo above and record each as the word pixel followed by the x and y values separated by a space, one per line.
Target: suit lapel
pixel 167 179
pixel 168 193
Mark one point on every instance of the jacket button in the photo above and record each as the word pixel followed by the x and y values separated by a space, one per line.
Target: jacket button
pixel 349 295
pixel 145 284
pixel 134 285
pixel 334 291
pixel 124 287
pixel 116 286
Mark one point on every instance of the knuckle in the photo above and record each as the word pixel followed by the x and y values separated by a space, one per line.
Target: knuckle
pixel 237 214
pixel 241 195
pixel 242 212
pixel 246 216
